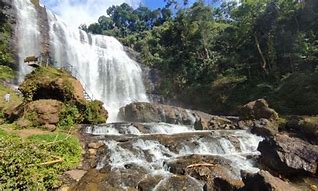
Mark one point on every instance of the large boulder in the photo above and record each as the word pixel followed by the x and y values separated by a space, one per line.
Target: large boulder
pixel 150 112
pixel 53 96
pixel 45 113
pixel 215 171
pixel 51 83
pixel 264 128
pixel 264 181
pixel 258 109
pixel 289 156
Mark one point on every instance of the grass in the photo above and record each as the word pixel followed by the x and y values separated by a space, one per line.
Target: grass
pixel 15 99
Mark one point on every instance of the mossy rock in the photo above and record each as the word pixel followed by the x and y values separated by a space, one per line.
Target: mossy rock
pixel 47 89
pixel 258 109
pixel 51 83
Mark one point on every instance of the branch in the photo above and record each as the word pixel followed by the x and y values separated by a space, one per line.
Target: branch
pixel 49 163
pixel 201 165
pixel 261 53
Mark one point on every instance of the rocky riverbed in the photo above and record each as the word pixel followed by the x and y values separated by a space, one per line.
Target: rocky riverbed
pixel 245 154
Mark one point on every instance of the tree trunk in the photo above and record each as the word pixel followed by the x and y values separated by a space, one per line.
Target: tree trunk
pixel 264 63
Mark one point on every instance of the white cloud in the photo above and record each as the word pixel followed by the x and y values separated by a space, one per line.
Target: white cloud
pixel 77 12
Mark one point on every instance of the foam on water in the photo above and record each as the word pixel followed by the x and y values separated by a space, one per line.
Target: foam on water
pixel 150 153
pixel 150 128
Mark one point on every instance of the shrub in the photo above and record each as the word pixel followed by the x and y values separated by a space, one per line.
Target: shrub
pixel 24 163
pixel 69 116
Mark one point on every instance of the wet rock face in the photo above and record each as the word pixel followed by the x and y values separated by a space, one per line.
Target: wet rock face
pixel 264 181
pixel 258 109
pixel 182 183
pixel 216 172
pixel 154 156
pixel 289 156
pixel 147 112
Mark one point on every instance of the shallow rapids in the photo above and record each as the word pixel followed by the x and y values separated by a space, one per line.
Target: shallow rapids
pixel 153 147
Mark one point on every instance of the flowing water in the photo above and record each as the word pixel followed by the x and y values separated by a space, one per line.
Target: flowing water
pixel 27 33
pixel 101 64
pixel 155 145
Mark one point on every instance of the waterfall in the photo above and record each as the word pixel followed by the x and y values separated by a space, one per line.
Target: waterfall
pixel 27 33
pixel 100 63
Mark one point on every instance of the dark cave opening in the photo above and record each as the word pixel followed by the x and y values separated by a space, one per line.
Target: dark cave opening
pixel 49 93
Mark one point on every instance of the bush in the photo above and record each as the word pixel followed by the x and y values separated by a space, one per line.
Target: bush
pixel 24 162
pixel 69 116
pixel 94 113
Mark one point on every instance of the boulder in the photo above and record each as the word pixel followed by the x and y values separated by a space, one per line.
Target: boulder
pixel 149 182
pixel 43 113
pixel 289 156
pixel 180 183
pixel 150 112
pixel 264 181
pixel 215 171
pixel 305 127
pixel 264 128
pixel 51 83
pixel 258 109
pixel 51 94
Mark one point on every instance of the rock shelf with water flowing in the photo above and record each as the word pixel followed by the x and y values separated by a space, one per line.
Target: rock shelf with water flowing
pixel 164 151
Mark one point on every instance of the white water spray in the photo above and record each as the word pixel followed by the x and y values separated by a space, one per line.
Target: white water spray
pixel 28 34
pixel 101 64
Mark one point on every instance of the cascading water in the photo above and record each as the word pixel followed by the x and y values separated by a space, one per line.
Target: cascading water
pixel 100 62
pixel 150 146
pixel 28 34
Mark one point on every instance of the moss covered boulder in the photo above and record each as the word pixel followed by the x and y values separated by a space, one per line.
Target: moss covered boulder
pixel 51 83
pixel 54 98
pixel 258 109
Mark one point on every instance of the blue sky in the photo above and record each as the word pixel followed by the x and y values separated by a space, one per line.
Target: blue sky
pixel 153 4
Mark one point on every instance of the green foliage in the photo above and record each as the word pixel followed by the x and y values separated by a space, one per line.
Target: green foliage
pixel 93 113
pixel 216 58
pixel 22 164
pixel 69 116
pixel 6 73
pixel 15 99
pixel 6 57
pixel 297 94
pixel 124 21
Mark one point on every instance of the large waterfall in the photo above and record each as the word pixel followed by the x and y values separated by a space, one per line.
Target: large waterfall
pixel 99 62
pixel 28 34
